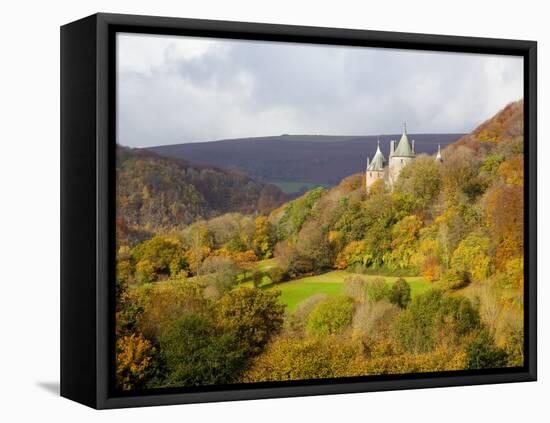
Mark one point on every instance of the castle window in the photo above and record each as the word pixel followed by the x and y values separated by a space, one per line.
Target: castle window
pixel 370 174
pixel 401 161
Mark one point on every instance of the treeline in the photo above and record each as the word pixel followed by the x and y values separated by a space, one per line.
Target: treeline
pixel 155 193
pixel 458 223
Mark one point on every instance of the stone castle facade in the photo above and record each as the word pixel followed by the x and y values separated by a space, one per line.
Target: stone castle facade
pixel 399 157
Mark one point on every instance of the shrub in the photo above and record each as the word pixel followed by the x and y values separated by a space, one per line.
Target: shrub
pixel 356 287
pixel 221 272
pixel 481 353
pixel 252 314
pixel 373 320
pixel 400 293
pixel 166 302
pixel 455 279
pixel 145 271
pixel 277 274
pixel 196 353
pixel 330 316
pixel 298 319
pixel 378 290
pixel 257 278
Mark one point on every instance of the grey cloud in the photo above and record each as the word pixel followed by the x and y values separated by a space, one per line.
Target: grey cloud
pixel 240 89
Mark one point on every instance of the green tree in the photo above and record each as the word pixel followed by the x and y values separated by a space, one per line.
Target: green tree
pixel 252 314
pixel 197 353
pixel 420 180
pixel 297 212
pixel 481 353
pixel 433 318
pixel 473 256
pixel 330 317
pixel 158 256
pixel 400 293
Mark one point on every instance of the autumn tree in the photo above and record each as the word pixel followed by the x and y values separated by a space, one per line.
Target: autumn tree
pixel 421 180
pixel 134 361
pixel 330 316
pixel 263 237
pixel 404 241
pixel 252 314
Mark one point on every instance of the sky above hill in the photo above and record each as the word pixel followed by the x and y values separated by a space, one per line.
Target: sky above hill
pixel 173 89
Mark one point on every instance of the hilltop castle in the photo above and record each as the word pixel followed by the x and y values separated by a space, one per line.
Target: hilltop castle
pixel 398 159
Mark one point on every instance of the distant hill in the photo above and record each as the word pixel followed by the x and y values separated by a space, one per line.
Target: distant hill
pixel 157 192
pixel 293 160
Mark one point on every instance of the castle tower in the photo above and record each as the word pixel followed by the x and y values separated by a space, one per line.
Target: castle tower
pixel 401 156
pixel 375 169
pixel 438 157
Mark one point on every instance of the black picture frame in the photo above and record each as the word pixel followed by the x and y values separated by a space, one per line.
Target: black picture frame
pixel 87 206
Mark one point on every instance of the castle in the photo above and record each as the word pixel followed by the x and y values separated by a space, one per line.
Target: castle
pixel 400 157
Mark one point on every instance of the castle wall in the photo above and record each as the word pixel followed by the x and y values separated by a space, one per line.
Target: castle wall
pixel 371 176
pixel 396 165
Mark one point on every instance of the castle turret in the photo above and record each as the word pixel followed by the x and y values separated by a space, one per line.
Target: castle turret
pixel 401 157
pixel 375 169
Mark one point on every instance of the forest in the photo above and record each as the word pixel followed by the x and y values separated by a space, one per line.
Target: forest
pixel 221 281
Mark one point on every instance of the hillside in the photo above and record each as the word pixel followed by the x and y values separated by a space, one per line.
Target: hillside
pixel 291 161
pixel 425 276
pixel 506 125
pixel 155 192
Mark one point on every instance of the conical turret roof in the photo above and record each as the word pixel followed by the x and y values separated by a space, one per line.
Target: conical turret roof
pixel 404 148
pixel 377 161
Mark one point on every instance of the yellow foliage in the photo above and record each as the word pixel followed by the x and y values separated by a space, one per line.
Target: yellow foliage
pixel 133 360
pixel 511 171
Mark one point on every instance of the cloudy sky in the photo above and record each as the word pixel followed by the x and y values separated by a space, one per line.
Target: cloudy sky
pixel 175 89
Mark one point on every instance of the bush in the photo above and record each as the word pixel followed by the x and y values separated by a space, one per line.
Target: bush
pixel 166 302
pixel 145 271
pixel 330 316
pixel 356 287
pixel 400 293
pixel 455 279
pixel 221 272
pixel 252 314
pixel 277 274
pixel 378 290
pixel 373 320
pixel 298 319
pixel 257 278
pixel 196 353
pixel 481 353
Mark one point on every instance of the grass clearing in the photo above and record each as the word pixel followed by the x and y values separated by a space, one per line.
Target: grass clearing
pixel 330 283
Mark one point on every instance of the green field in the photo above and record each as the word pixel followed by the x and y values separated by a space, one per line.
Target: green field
pixel 296 291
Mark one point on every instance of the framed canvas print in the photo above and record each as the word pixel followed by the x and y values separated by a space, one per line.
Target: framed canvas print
pixel 256 211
